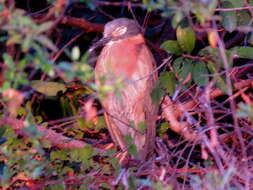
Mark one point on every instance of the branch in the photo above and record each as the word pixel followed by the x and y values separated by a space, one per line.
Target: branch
pixel 171 111
pixel 54 138
pixel 234 9
pixel 83 24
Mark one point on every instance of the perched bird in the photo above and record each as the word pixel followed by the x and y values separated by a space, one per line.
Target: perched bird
pixel 125 57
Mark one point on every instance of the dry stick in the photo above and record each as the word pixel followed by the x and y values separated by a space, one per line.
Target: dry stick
pixel 65 46
pixel 131 11
pixel 216 92
pixel 214 144
pixel 73 21
pixel 230 93
pixel 206 104
pixel 45 17
pixel 83 24
pixel 171 110
pixel 169 113
pixel 187 163
pixel 233 9
pixel 116 4
pixel 246 3
pixel 104 13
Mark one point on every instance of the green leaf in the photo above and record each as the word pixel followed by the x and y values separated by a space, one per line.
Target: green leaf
pixel 168 81
pixel 58 154
pixel 159 186
pixel 128 139
pixel 100 123
pixel 27 42
pixel 132 183
pixel 114 162
pixel 8 131
pixel 199 70
pixel 37 172
pixel 243 18
pixel 65 66
pixel 163 129
pixel 250 38
pixel 177 64
pixel 236 3
pixel 156 95
pixel 183 68
pixel 177 18
pixel 198 13
pixel 132 150
pixel 82 154
pixel 2 130
pixel 220 81
pixel 245 52
pixel 48 88
pixel 58 186
pixel 46 42
pixel 142 127
pixel 48 68
pixel 229 19
pixel 171 46
pixel 185 71
pixel 8 61
pixel 87 152
pixel 68 109
pixel 44 27
pixel 90 4
pixel 14 39
pixel 212 5
pixel 33 131
pixel 186 38
pixel 5 175
pixel 245 111
pixel 6 85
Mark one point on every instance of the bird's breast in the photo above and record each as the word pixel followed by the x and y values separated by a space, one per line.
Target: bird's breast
pixel 121 57
pixel 124 58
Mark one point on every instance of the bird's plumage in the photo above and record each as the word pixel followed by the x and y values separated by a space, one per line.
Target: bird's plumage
pixel 130 60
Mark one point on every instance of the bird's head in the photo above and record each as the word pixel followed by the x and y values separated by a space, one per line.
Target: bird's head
pixel 118 29
pixel 121 28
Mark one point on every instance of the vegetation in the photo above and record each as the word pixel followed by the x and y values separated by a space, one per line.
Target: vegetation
pixel 52 130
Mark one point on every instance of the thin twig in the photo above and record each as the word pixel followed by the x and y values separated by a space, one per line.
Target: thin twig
pixel 233 9
pixel 65 46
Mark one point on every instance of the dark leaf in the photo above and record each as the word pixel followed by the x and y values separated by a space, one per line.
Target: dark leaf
pixel 168 81
pixel 171 46
pixel 156 94
pixel 220 81
pixel 245 52
pixel 199 72
pixel 183 69
pixel 229 20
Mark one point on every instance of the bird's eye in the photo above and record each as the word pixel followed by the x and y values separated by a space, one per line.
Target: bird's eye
pixel 119 31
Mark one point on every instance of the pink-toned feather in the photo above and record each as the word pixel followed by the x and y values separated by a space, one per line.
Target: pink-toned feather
pixel 131 60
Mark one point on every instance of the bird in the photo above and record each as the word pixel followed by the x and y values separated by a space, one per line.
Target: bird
pixel 125 57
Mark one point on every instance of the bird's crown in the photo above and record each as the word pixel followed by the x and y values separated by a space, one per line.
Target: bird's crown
pixel 121 28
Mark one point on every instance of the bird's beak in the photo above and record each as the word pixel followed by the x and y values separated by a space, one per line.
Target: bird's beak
pixel 99 43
